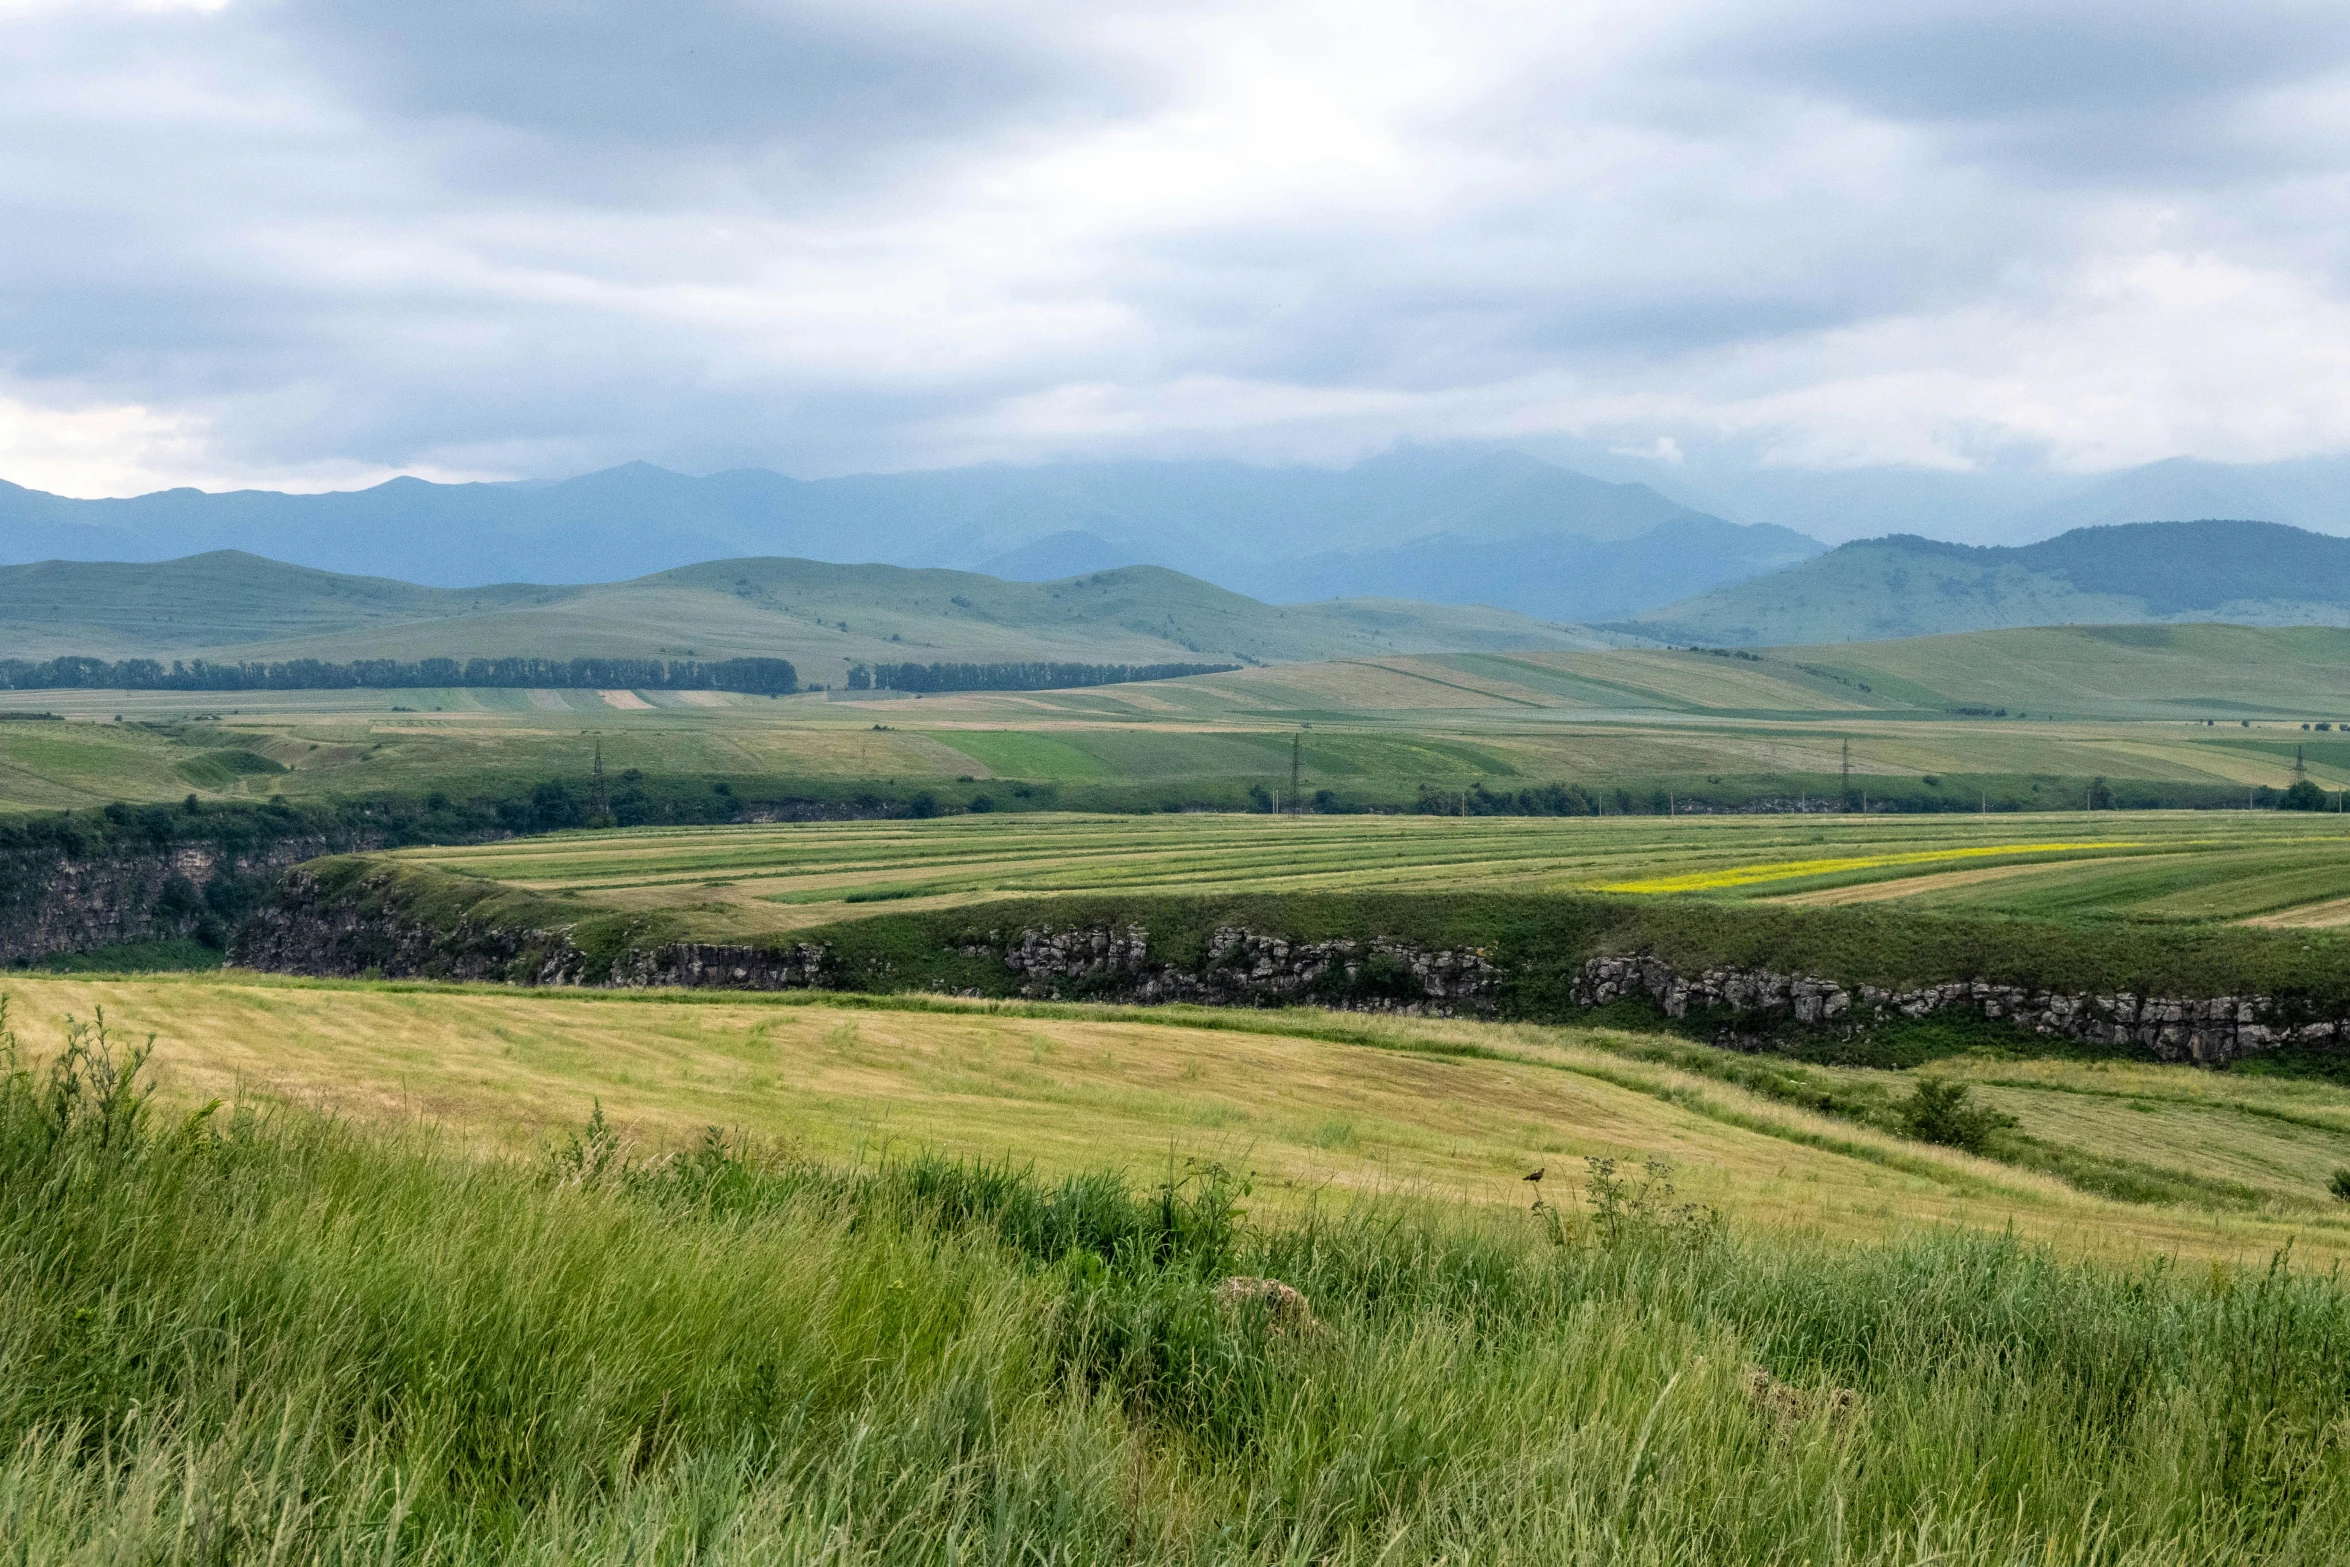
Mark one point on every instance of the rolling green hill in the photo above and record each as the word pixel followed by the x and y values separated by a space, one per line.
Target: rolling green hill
pixel 2248 573
pixel 110 609
pixel 2125 671
pixel 228 605
pixel 2263 673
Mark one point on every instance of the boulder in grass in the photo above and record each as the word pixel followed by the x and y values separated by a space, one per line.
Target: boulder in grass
pixel 1790 1406
pixel 1281 1308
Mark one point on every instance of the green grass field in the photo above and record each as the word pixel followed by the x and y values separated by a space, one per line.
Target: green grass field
pixel 2210 709
pixel 2269 866
pixel 1312 1102
pixel 949 1286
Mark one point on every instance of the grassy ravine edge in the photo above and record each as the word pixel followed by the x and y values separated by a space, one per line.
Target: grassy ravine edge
pixel 1539 943
pixel 1538 940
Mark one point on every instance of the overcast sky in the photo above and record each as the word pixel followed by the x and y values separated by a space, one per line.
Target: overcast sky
pixel 310 243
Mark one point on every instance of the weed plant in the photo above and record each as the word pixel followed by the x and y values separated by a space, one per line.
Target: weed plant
pixel 241 1338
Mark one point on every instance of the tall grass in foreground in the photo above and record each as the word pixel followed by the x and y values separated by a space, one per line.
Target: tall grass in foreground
pixel 237 1340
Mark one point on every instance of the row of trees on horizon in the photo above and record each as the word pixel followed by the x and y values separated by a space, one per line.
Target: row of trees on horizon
pixel 753 676
pixel 1015 676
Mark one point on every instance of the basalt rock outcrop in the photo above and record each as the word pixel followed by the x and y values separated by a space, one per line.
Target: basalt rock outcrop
pixel 361 932
pixel 1250 968
pixel 57 897
pixel 801 966
pixel 349 928
pixel 2209 1031
pixel 361 916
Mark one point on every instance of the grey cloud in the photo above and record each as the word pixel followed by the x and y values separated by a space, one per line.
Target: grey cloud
pixel 1963 59
pixel 2081 90
pixel 608 96
pixel 1651 274
pixel 237 249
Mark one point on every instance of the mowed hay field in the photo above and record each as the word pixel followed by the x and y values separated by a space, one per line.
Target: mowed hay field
pixel 1317 1105
pixel 2271 866
pixel 2023 718
pixel 326 744
pixel 257 1335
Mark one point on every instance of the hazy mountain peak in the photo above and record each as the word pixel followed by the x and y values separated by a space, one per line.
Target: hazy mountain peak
pixel 1507 528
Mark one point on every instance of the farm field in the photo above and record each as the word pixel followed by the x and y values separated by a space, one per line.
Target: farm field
pixel 2266 866
pixel 1315 1104
pixel 2018 719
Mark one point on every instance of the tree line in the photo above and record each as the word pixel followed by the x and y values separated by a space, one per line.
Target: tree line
pixel 1015 676
pixel 756 676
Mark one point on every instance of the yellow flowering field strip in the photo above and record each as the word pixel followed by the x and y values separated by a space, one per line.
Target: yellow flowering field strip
pixel 1792 870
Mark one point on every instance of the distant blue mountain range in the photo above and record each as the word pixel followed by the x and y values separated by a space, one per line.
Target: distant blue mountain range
pixel 1440 525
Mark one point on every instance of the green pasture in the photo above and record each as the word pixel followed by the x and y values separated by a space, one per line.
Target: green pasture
pixel 2215 865
pixel 2123 673
pixel 2200 671
pixel 1944 765
pixel 2015 720
pixel 2223 880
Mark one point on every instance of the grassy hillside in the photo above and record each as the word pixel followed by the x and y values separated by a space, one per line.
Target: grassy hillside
pixel 231 606
pixel 2145 671
pixel 251 1333
pixel 108 609
pixel 2070 672
pixel 1312 1102
pixel 2251 573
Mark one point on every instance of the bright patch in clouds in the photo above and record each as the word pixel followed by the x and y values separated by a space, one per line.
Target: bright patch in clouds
pixel 135 451
pixel 306 244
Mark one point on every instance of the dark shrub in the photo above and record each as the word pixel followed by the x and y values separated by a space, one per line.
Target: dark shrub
pixel 1941 1111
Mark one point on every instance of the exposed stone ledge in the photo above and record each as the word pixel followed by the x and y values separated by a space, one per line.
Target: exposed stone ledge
pixel 1247 968
pixel 364 931
pixel 301 931
pixel 804 966
pixel 2210 1031
pixel 52 902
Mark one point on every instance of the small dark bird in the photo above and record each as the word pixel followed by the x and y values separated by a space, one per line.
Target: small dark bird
pixel 1536 1176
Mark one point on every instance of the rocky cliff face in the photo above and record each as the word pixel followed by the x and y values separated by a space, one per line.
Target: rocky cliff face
pixel 2208 1031
pixel 715 965
pixel 365 927
pixel 1249 968
pixel 54 900
pixel 302 931
pixel 364 932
